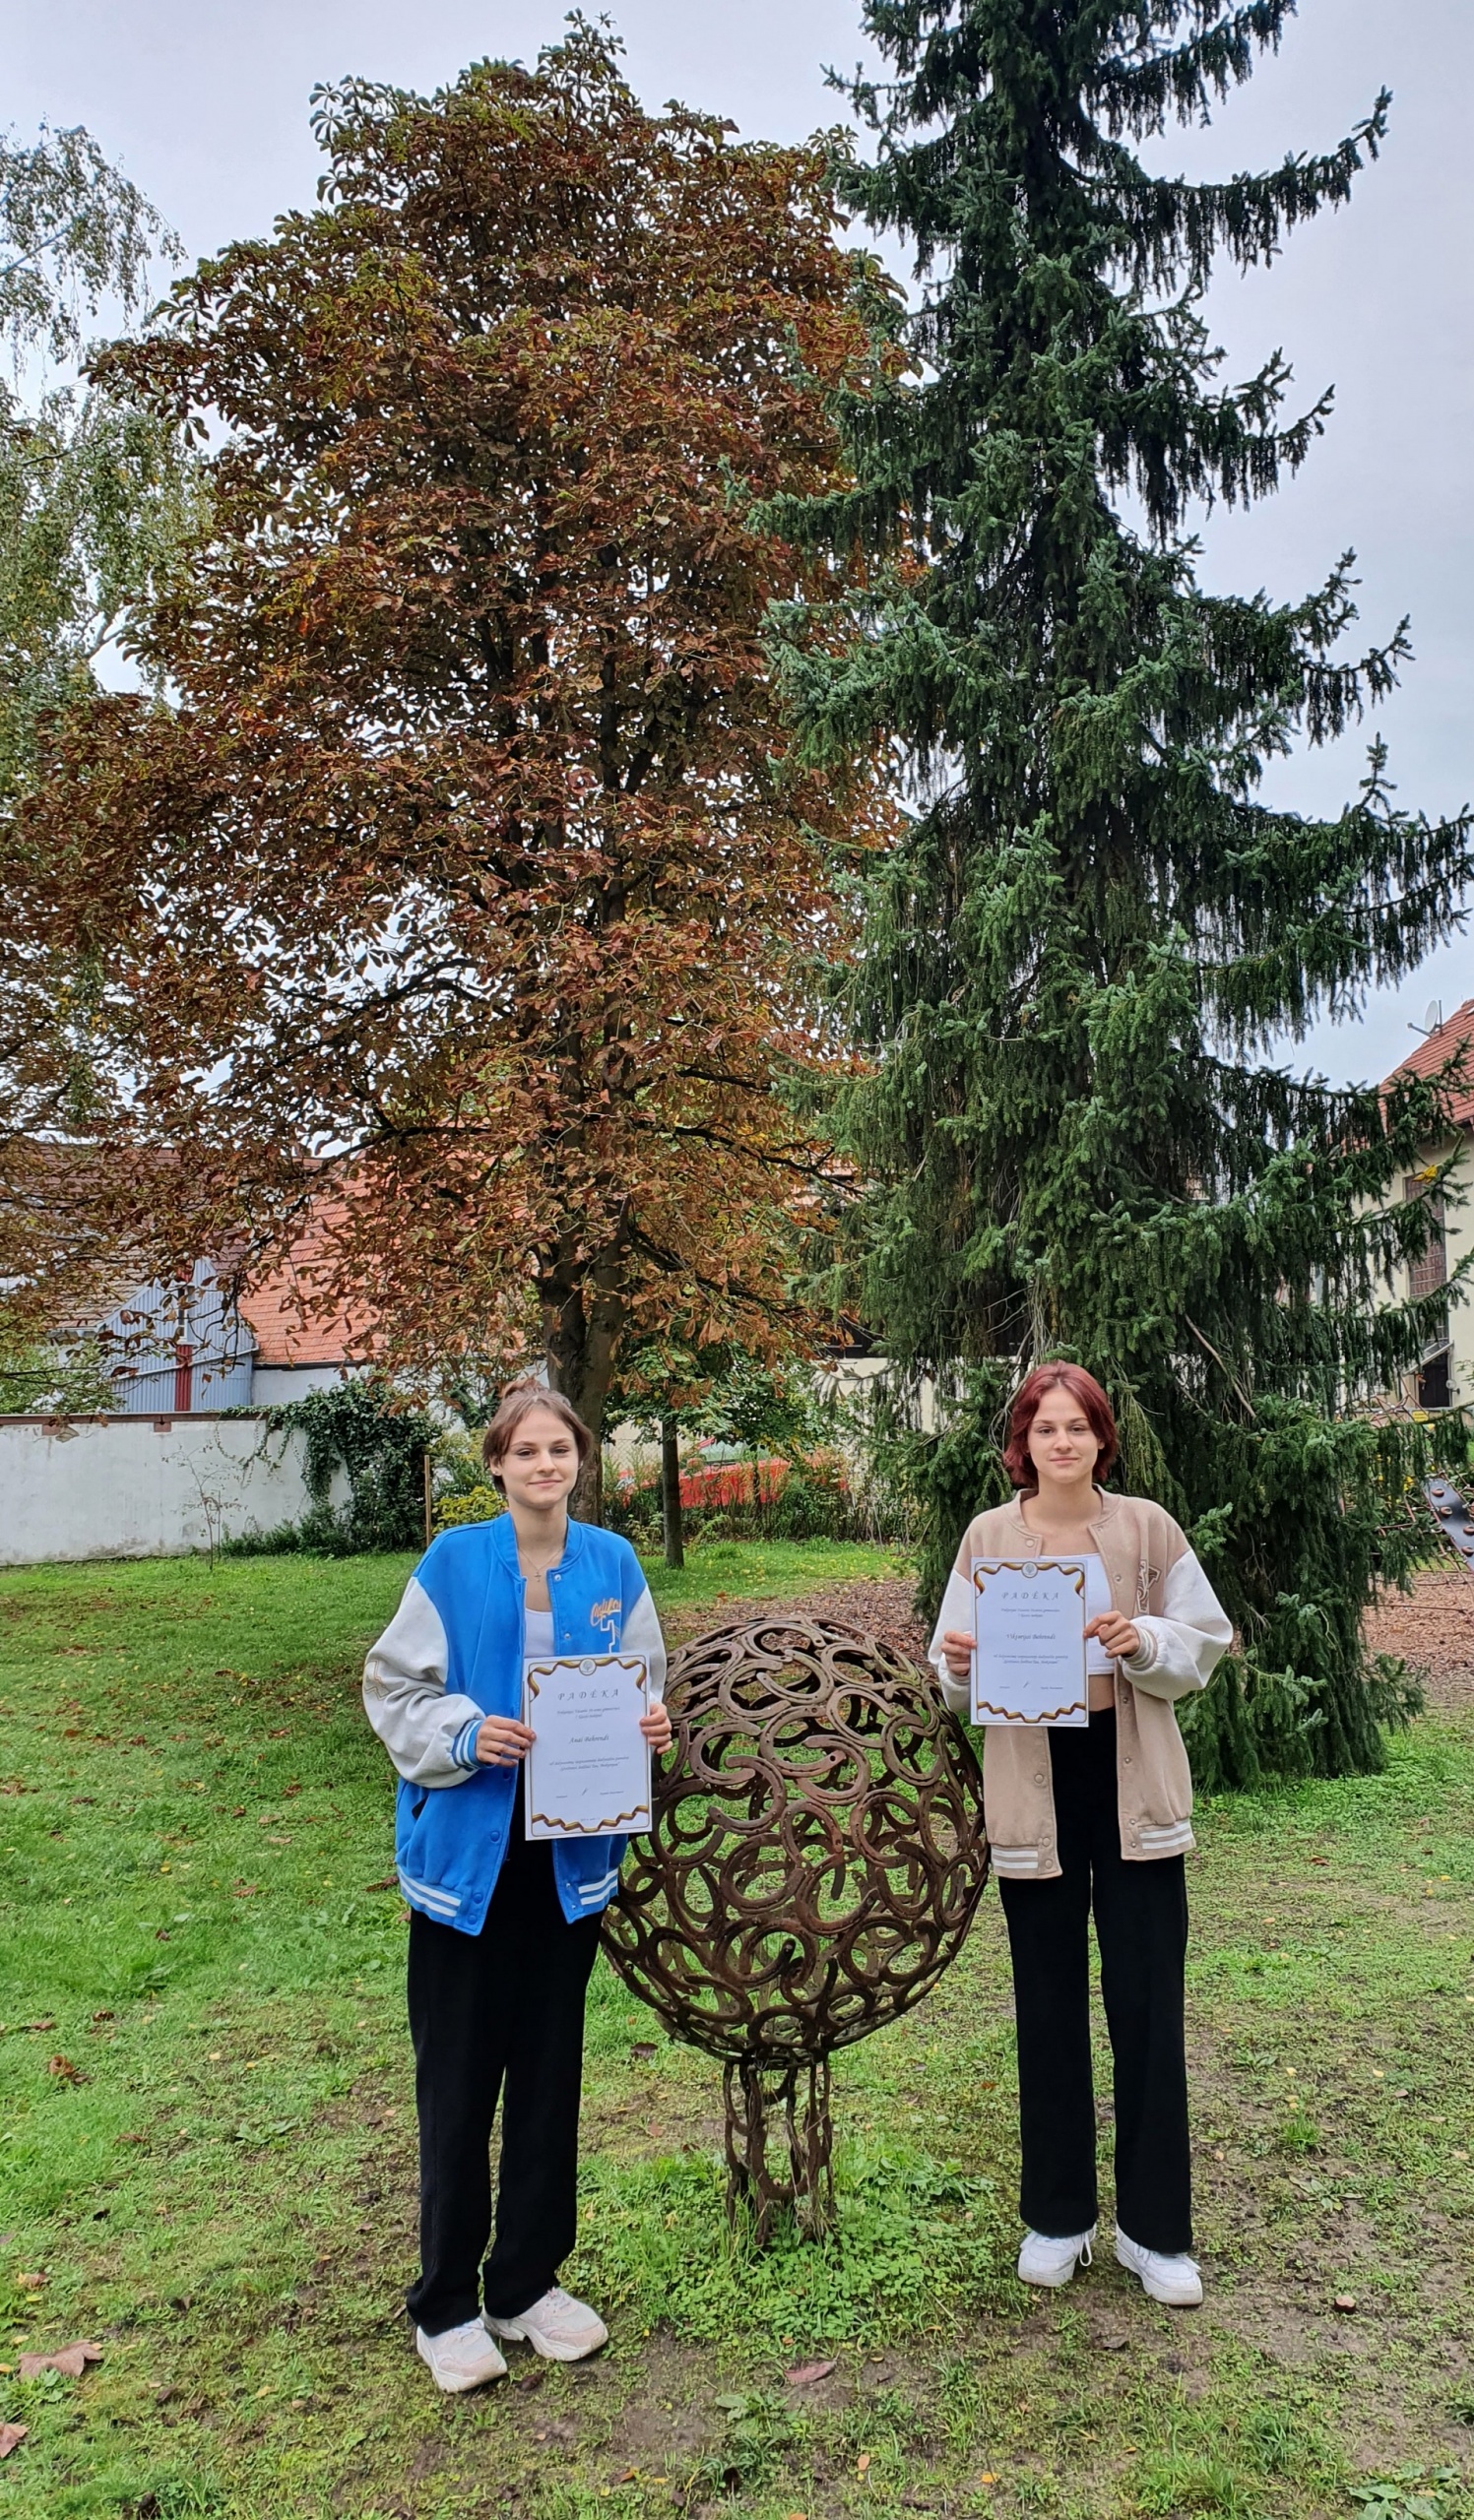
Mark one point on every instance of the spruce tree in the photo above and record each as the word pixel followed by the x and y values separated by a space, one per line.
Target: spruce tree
pixel 1078 959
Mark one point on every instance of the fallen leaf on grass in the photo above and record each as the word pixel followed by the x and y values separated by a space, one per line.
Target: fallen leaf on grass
pixel 136 2135
pixel 802 2373
pixel 71 2360
pixel 65 2071
pixel 30 2283
pixel 11 2438
pixel 245 1889
pixel 861 2463
pixel 1345 2301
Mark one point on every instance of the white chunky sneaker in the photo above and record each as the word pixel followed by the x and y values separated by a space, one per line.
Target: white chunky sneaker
pixel 558 2326
pixel 1053 2263
pixel 461 2357
pixel 1172 2280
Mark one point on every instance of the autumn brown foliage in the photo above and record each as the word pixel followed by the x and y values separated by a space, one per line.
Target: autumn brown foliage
pixel 469 866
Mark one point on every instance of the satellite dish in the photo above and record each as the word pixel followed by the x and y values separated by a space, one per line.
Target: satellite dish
pixel 1434 1015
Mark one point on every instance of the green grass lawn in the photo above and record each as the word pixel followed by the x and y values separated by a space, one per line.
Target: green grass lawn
pixel 207 2144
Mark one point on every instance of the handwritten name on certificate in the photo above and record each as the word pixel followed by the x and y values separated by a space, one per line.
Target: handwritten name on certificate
pixel 1029 1631
pixel 588 1771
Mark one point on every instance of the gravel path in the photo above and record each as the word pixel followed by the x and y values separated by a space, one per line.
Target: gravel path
pixel 1432 1627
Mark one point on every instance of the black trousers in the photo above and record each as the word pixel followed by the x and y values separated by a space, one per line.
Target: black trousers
pixel 499 2014
pixel 1141 1926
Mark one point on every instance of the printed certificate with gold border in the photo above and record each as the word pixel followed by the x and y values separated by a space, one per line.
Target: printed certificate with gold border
pixel 588 1772
pixel 1029 1635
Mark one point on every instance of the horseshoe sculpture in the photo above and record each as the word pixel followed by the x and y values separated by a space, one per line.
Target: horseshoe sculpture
pixel 817 1859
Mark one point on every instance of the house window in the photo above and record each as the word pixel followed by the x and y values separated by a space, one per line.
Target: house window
pixel 1431 1270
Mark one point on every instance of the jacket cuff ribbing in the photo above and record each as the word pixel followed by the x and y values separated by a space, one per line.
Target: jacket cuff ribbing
pixel 463 1748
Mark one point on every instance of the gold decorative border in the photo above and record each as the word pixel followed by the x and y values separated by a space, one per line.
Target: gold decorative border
pixel 979 1570
pixel 1054 1715
pixel 983 1567
pixel 601 1828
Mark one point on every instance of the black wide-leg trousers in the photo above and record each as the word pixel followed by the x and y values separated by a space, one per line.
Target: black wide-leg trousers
pixel 498 2015
pixel 1141 1926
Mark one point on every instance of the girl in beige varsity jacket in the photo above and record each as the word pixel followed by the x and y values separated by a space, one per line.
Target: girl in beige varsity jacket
pixel 1095 1819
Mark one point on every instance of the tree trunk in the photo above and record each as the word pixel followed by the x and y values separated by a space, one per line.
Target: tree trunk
pixel 671 1519
pixel 583 1313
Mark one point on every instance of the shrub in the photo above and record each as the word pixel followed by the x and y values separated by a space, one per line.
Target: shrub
pixel 479 1504
pixel 362 1429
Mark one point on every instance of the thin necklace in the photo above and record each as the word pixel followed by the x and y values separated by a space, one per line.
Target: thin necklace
pixel 532 1568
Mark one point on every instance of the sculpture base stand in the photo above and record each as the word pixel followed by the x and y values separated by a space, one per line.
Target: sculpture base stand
pixel 780 2109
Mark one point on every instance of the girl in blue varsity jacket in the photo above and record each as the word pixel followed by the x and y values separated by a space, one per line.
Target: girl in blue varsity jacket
pixel 502 1932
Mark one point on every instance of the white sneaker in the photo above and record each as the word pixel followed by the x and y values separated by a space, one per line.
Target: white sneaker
pixel 1053 2263
pixel 1172 2280
pixel 558 2326
pixel 461 2357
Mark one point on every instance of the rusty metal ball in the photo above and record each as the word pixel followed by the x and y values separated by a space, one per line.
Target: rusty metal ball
pixel 818 1850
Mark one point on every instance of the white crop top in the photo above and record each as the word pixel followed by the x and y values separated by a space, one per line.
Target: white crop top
pixel 1097 1602
pixel 539 1636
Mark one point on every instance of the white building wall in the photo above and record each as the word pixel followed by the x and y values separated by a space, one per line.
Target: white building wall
pixel 125 1486
pixel 271 1386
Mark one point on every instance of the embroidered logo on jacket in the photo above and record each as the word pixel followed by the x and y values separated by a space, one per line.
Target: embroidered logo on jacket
pixel 606 1614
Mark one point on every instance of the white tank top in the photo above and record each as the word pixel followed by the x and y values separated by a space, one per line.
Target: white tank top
pixel 541 1640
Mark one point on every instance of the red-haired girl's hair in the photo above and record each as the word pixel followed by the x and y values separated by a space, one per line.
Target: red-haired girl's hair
pixel 1082 1388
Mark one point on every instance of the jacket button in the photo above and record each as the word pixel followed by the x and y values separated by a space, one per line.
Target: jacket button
pixel 1039 1776
pixel 1125 1758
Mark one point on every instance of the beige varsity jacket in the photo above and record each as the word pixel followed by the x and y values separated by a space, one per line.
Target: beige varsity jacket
pixel 1157 1583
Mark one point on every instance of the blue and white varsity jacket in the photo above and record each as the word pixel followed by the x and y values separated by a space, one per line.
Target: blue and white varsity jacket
pixel 453 1653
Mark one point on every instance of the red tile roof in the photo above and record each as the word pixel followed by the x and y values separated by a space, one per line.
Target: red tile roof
pixel 1454 1033
pixel 294 1322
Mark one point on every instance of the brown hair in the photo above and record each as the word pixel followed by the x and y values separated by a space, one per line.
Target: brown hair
pixel 517 1402
pixel 1027 1401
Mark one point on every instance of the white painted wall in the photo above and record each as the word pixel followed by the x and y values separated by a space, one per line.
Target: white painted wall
pixel 79 1488
pixel 274 1385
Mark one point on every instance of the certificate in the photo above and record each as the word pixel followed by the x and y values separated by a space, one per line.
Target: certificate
pixel 588 1770
pixel 1029 1640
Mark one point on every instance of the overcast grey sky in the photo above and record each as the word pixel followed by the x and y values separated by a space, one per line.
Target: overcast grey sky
pixel 206 103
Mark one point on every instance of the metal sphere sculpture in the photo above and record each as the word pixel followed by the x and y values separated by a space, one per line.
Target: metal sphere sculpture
pixel 817 1859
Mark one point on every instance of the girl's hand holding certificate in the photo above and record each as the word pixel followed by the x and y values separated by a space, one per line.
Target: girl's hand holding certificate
pixel 1117 1634
pixel 502 1742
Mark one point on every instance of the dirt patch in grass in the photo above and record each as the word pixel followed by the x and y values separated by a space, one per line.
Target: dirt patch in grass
pixel 1432 1628
pixel 882 1606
